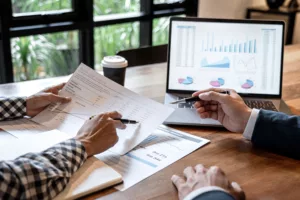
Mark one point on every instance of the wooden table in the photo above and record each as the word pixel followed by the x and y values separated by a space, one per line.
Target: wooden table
pixel 263 175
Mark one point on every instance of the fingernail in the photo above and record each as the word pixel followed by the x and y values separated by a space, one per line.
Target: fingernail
pixel 201 95
pixel 173 177
pixel 236 186
pixel 68 98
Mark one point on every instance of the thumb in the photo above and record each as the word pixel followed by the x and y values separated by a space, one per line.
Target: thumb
pixel 213 96
pixel 237 191
pixel 53 98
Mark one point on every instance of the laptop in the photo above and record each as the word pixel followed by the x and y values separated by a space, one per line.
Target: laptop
pixel 245 55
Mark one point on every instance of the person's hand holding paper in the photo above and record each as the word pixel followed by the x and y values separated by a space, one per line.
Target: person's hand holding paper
pixel 38 102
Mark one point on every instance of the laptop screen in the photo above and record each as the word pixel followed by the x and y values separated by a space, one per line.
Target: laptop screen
pixel 244 56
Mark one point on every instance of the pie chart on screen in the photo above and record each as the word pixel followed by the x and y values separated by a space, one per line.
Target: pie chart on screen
pixel 248 84
pixel 186 81
pixel 217 82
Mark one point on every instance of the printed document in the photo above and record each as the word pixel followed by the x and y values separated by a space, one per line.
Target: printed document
pixel 36 143
pixel 22 128
pixel 162 148
pixel 93 94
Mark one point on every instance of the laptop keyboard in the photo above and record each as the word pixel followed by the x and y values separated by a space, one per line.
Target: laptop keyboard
pixel 267 105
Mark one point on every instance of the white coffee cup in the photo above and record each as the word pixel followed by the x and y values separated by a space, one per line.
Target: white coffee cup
pixel 114 68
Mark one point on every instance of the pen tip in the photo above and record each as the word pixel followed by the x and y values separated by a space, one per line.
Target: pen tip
pixel 174 102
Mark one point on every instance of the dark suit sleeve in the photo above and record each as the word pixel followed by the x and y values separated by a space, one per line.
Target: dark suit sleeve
pixel 214 195
pixel 277 132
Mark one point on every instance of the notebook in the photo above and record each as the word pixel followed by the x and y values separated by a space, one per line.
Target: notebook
pixel 93 175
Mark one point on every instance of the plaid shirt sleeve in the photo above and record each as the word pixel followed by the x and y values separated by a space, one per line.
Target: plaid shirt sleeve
pixel 42 175
pixel 12 107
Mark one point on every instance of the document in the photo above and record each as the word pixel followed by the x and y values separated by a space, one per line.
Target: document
pixel 93 94
pixel 14 148
pixel 162 148
pixel 22 128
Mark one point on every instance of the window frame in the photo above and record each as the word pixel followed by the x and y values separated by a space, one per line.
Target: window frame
pixel 79 18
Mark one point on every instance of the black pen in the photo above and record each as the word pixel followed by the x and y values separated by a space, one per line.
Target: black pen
pixel 124 121
pixel 127 121
pixel 196 98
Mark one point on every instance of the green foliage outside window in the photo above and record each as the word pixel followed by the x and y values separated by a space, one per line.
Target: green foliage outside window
pixel 57 54
pixel 105 7
pixel 111 39
pixel 25 6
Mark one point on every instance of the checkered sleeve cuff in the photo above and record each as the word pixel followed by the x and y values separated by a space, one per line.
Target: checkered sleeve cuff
pixel 71 151
pixel 12 108
pixel 43 175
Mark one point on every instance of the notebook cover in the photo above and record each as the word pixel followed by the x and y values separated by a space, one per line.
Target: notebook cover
pixel 94 175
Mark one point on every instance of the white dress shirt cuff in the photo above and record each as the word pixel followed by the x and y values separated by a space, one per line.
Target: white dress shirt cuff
pixel 251 124
pixel 202 190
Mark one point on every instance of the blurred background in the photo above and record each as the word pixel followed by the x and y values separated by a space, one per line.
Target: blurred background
pixel 48 38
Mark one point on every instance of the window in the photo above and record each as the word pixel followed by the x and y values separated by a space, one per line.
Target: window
pixel 43 56
pixel 111 39
pixel 105 7
pixel 161 30
pixel 29 6
pixel 51 37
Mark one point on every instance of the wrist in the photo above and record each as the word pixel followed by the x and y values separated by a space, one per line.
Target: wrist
pixel 246 117
pixel 87 147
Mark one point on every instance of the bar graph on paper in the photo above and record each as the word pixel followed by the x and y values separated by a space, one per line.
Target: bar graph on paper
pixel 211 44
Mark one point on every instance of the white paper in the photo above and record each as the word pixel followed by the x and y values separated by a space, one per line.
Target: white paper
pixel 22 128
pixel 12 149
pixel 162 148
pixel 93 94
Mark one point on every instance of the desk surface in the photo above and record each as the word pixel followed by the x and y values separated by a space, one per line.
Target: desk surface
pixel 262 175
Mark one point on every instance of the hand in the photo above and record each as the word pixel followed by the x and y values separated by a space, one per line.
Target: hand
pixel 229 110
pixel 199 177
pixel 38 102
pixel 99 133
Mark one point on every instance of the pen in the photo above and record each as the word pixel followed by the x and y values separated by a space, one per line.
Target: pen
pixel 127 121
pixel 124 121
pixel 196 98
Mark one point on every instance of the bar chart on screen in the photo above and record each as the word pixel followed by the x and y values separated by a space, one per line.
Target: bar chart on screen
pixel 214 43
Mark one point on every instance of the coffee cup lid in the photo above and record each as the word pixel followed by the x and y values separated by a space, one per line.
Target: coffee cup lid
pixel 114 62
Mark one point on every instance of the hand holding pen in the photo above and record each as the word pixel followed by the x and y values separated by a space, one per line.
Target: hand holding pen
pixel 229 109
pixel 99 133
pixel 196 98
